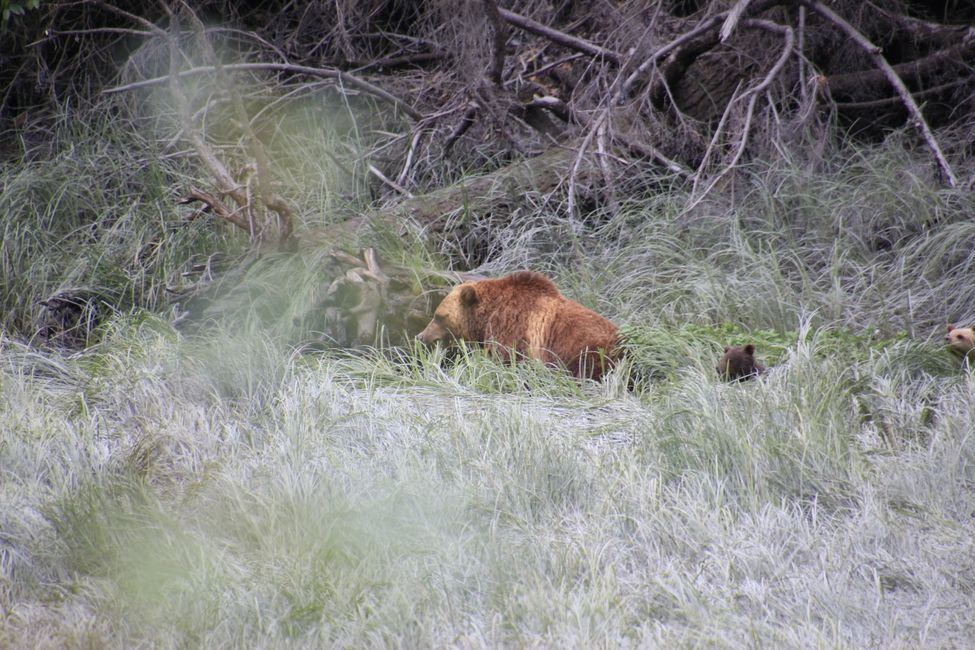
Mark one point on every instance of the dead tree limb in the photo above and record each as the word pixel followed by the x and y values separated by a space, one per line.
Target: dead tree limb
pixel 466 122
pixel 267 197
pixel 874 52
pixel 852 83
pixel 386 180
pixel 490 192
pixel 216 205
pixel 731 20
pixel 500 38
pixel 753 95
pixel 563 39
pixel 570 209
pixel 327 73
pixel 678 55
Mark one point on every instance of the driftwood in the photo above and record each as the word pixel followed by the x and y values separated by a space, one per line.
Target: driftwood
pixel 437 212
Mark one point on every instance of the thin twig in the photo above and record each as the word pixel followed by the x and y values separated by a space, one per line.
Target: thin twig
pixel 649 151
pixel 603 160
pixel 148 24
pixel 216 168
pixel 887 101
pixel 753 95
pixel 255 147
pixel 214 203
pixel 574 171
pixel 874 52
pixel 465 123
pixel 388 181
pixel 52 34
pixel 408 164
pixel 712 145
pixel 674 50
pixel 548 66
pixel 666 50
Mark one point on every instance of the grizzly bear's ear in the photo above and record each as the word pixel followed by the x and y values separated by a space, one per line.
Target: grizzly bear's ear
pixel 726 348
pixel 468 296
pixel 749 349
pixel 950 327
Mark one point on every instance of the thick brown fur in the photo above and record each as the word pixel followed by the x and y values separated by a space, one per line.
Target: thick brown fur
pixel 525 313
pixel 738 363
pixel 960 340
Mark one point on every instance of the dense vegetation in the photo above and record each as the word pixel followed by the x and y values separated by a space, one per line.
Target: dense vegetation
pixel 190 457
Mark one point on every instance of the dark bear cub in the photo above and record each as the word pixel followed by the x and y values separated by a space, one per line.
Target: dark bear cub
pixel 738 363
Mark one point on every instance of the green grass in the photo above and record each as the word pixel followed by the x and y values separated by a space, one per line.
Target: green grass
pixel 215 487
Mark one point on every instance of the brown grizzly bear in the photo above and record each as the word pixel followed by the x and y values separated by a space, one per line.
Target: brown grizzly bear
pixel 525 313
pixel 960 340
pixel 739 363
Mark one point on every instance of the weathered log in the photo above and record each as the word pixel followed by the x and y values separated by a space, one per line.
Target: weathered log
pixel 432 213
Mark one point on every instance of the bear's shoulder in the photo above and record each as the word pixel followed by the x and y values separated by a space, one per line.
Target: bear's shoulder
pixel 530 281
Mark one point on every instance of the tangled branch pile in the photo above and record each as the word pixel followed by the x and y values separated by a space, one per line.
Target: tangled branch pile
pixel 603 98
pixel 683 81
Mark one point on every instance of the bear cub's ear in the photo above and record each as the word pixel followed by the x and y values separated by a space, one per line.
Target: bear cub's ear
pixel 468 296
pixel 749 349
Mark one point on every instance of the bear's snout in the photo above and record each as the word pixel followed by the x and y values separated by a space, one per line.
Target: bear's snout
pixel 430 334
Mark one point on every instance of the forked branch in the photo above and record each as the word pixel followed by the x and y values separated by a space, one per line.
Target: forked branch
pixel 875 54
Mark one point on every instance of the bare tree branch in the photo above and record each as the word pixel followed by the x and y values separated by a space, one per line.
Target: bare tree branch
pixel 328 73
pixel 266 195
pixel 216 205
pixel 386 180
pixel 874 52
pixel 753 94
pixel 731 21
pixel 466 122
pixel 566 40
pixel 500 38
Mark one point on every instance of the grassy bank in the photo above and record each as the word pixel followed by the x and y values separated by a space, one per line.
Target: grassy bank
pixel 217 489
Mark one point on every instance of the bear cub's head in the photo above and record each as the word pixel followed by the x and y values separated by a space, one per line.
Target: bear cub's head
pixel 960 340
pixel 451 320
pixel 738 363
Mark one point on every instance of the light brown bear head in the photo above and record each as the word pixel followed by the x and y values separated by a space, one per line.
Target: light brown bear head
pixel 738 362
pixel 452 319
pixel 960 340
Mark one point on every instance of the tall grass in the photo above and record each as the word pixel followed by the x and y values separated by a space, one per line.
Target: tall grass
pixel 216 488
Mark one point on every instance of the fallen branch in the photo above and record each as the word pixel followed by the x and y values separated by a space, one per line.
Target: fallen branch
pixel 566 40
pixel 874 52
pixel 752 94
pixel 500 37
pixel 488 193
pixel 731 21
pixel 684 50
pixel 574 170
pixel 466 122
pixel 386 180
pixel 852 83
pixel 888 101
pixel 267 198
pixel 326 73
pixel 215 204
